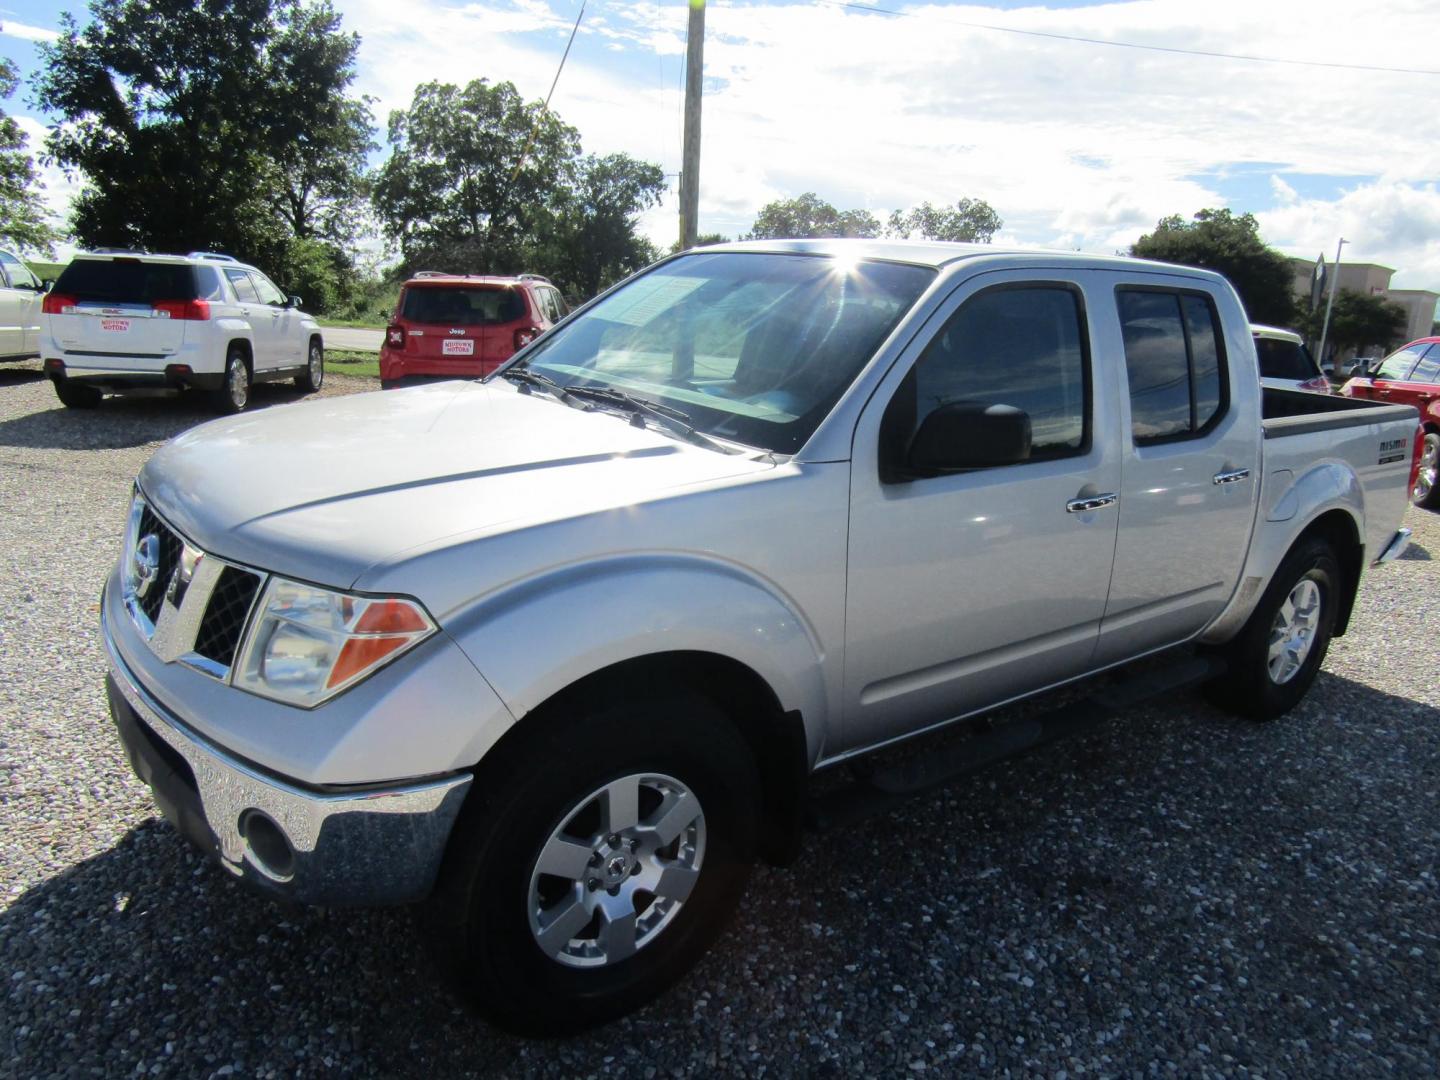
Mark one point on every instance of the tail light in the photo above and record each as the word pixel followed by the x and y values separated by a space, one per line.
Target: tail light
pixel 1416 457
pixel 190 310
pixel 525 335
pixel 58 304
pixel 395 336
pixel 1320 385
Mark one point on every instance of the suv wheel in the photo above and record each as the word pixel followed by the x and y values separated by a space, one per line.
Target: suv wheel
pixel 594 869
pixel 1427 484
pixel 234 393
pixel 74 396
pixel 314 369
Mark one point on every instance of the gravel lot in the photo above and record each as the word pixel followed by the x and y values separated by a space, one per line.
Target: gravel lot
pixel 1175 893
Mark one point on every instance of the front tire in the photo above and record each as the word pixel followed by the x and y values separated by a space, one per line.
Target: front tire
pixel 1275 658
pixel 593 866
pixel 1427 486
pixel 314 376
pixel 74 396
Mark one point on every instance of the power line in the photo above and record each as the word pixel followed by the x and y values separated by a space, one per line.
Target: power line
pixel 1131 44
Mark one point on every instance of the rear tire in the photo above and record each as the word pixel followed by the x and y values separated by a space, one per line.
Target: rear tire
pixel 1277 655
pixel 1427 486
pixel 314 376
pixel 74 396
pixel 234 393
pixel 486 922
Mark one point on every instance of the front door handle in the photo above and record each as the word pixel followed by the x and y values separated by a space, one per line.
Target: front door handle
pixel 1094 502
pixel 1231 477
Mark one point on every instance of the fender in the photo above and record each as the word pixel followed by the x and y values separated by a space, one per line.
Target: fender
pixel 1326 487
pixel 535 637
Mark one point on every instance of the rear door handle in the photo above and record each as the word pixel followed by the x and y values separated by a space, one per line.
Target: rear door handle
pixel 1094 502
pixel 1231 477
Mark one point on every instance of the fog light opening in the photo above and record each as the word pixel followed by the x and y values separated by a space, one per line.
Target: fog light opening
pixel 267 845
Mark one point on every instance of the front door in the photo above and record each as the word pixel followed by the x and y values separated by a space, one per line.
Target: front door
pixel 1192 447
pixel 967 589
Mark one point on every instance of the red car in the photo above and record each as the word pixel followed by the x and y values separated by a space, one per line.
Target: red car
pixel 1411 376
pixel 454 326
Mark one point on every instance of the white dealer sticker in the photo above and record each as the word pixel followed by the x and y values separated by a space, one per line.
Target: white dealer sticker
pixel 458 348
pixel 115 324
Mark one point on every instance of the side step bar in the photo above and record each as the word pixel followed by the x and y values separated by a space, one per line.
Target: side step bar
pixel 881 790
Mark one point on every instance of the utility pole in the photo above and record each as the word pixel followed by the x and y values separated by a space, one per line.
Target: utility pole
pixel 690 163
pixel 1325 327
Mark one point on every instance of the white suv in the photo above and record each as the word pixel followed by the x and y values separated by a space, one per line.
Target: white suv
pixel 119 321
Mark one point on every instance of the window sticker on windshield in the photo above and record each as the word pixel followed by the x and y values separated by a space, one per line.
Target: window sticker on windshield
pixel 646 298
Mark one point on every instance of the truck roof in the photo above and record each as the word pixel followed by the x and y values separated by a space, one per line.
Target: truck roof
pixel 938 253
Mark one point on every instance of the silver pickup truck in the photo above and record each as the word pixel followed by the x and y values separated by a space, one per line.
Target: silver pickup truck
pixel 556 652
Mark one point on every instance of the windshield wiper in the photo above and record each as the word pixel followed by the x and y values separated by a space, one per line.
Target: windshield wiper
pixel 533 378
pixel 638 408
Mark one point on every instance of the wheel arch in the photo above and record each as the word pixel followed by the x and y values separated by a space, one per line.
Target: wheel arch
pixel 247 347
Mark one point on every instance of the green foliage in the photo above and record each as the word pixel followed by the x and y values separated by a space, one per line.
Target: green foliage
pixel 473 172
pixel 22 213
pixel 703 240
pixel 1356 320
pixel 969 220
pixel 1218 240
pixel 590 242
pixel 808 217
pixel 222 126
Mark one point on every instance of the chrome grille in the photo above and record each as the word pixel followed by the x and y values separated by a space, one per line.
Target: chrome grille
pixel 190 606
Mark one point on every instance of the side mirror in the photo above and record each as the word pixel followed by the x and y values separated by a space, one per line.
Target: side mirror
pixel 294 302
pixel 964 435
pixel 47 285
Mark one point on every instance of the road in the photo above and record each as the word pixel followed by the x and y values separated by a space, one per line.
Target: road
pixel 1174 893
pixel 352 338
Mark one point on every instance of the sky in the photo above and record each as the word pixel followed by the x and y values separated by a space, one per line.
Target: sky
pixel 1077 145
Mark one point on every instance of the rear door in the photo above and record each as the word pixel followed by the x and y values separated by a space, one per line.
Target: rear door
pixel 109 317
pixel 1191 440
pixel 263 332
pixel 23 298
pixel 1410 383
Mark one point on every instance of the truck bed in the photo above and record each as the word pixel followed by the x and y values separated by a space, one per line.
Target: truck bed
pixel 1297 412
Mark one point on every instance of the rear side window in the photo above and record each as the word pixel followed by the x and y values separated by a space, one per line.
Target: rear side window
pixel 243 286
pixel 462 306
pixel 1173 359
pixel 127 281
pixel 1284 359
pixel 207 284
pixel 1009 346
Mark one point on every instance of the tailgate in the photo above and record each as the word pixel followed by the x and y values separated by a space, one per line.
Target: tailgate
pixel 95 335
pixel 461 346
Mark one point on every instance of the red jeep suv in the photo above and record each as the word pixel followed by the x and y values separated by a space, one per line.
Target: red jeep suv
pixel 453 326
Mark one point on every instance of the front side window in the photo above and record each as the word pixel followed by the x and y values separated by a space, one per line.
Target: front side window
pixel 244 287
pixel 1173 361
pixel 1398 364
pixel 267 292
pixel 1428 369
pixel 1023 347
pixel 17 273
pixel 753 347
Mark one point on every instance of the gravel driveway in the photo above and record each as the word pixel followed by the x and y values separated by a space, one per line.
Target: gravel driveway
pixel 1177 892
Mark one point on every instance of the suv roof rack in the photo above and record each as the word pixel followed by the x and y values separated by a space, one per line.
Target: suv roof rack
pixel 432 273
pixel 534 277
pixel 211 256
pixel 117 251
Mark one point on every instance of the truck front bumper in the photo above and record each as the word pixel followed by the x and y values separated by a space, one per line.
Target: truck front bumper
pixel 377 844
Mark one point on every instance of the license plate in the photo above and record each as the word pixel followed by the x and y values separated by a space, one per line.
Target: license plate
pixel 117 325
pixel 458 348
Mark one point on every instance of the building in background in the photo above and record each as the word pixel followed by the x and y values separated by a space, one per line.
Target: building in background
pixel 1372 279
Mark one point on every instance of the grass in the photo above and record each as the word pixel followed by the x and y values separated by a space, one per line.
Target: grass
pixel 348 362
pixel 45 271
pixel 359 322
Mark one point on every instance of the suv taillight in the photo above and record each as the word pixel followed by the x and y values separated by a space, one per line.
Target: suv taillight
pixel 525 335
pixel 1320 385
pixel 193 310
pixel 58 304
pixel 1417 456
pixel 395 336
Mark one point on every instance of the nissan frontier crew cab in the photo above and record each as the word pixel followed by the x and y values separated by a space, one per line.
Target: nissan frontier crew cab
pixel 554 653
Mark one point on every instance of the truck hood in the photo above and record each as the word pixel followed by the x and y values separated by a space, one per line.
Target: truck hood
pixel 324 489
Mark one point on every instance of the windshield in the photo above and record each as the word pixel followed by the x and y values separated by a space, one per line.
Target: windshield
pixel 752 347
pixel 1285 359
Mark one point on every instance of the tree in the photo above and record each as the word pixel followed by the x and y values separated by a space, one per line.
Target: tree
pixel 1218 240
pixel 970 220
pixel 473 173
pixel 590 242
pixel 222 125
pixel 809 217
pixel 1356 321
pixel 22 214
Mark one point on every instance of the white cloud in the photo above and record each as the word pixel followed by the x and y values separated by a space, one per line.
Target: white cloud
pixel 27 33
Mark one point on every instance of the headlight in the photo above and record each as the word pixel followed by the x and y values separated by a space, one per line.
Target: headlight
pixel 308 643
